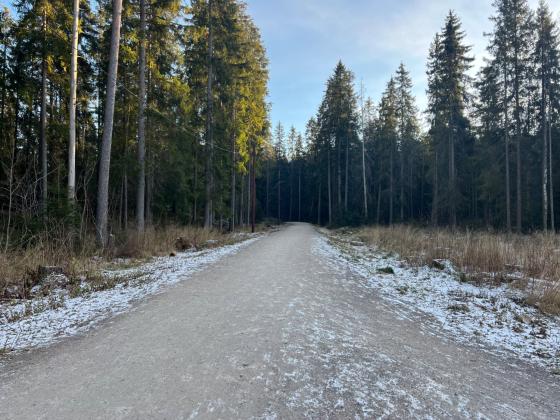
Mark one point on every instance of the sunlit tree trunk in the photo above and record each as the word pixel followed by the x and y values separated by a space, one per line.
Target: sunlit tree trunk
pixel 208 211
pixel 105 155
pixel 72 117
pixel 141 152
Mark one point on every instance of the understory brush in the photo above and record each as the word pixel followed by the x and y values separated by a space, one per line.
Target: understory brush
pixel 79 259
pixel 528 262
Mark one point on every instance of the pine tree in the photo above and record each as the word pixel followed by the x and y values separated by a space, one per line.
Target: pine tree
pixel 511 49
pixel 449 63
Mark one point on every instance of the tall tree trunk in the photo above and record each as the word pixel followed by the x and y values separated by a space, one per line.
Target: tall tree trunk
pixel 346 172
pixel 329 189
pixel 401 192
pixel 391 184
pixel 279 192
pixel 519 224
pixel 242 201
pixel 364 180
pixel 141 152
pixel 338 176
pixel 233 180
pixel 125 167
pixel 43 133
pixel 452 182
pixel 545 154
pixel 291 182
pixel 253 190
pixel 378 213
pixel 319 201
pixel 506 131
pixel 550 184
pixel 105 155
pixel 518 203
pixel 299 194
pixel 249 190
pixel 10 192
pixel 435 192
pixel 208 211
pixel 267 187
pixel 72 117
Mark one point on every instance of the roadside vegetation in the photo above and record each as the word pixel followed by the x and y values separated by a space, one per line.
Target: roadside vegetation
pixel 56 255
pixel 528 262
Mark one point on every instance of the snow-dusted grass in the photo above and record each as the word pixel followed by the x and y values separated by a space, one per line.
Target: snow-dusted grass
pixel 481 256
pixel 495 318
pixel 41 321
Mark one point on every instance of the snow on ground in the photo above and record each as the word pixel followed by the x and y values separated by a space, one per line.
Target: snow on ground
pixel 492 318
pixel 59 315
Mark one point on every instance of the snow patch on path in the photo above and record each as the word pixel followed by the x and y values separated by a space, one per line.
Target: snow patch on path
pixel 76 315
pixel 487 317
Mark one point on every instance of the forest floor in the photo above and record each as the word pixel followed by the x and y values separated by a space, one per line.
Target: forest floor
pixel 299 323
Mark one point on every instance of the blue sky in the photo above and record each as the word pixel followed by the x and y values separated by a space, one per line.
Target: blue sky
pixel 306 38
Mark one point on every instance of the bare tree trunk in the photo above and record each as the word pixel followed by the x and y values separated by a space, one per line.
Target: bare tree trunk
pixel 208 211
pixel 435 192
pixel 10 194
pixel 72 117
pixel 329 189
pixel 149 195
pixel 319 201
pixel 346 171
pixel 279 192
pixel 519 213
pixel 338 178
pixel 195 184
pixel 545 154
pixel 43 133
pixel 267 186
pixel 378 215
pixel 550 184
pixel 452 182
pixel 141 152
pixel 519 223
pixel 242 201
pixel 249 191
pixel 401 192
pixel 364 181
pixel 233 180
pixel 391 185
pixel 253 190
pixel 291 182
pixel 105 156
pixel 299 194
pixel 506 130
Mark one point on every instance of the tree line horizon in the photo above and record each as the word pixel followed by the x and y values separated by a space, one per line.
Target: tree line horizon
pixel 485 160
pixel 138 113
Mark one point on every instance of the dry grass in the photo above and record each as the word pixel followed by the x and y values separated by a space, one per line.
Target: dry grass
pixel 20 267
pixel 481 256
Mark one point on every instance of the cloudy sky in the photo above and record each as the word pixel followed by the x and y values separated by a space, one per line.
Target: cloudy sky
pixel 306 38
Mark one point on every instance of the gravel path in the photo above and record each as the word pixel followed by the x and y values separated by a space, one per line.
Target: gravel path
pixel 271 332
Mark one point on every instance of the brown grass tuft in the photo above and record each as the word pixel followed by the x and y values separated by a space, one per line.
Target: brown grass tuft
pixel 483 256
pixel 19 267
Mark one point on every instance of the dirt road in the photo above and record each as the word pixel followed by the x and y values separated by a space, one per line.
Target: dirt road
pixel 271 332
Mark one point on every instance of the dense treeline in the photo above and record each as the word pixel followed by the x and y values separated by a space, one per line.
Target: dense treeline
pixel 119 114
pixel 486 156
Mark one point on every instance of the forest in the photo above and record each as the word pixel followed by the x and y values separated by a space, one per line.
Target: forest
pixel 482 155
pixel 119 116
